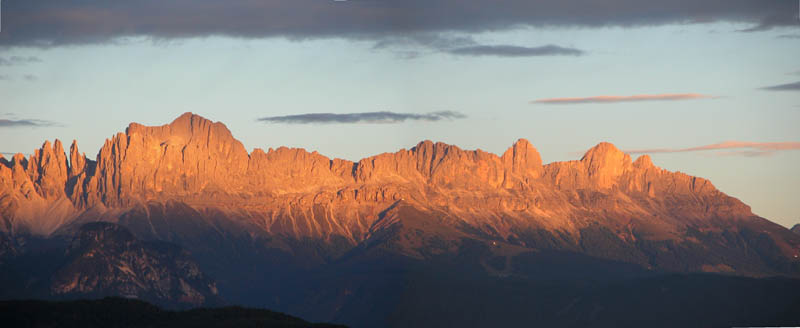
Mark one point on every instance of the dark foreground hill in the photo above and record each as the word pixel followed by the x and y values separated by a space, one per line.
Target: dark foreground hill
pixel 120 312
pixel 680 300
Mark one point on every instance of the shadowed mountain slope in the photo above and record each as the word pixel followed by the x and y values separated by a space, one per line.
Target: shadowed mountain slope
pixel 105 259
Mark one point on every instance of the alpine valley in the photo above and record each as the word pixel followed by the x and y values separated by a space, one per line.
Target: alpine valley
pixel 182 216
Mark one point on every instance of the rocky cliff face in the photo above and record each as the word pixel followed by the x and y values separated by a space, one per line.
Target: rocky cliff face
pixel 222 190
pixel 106 259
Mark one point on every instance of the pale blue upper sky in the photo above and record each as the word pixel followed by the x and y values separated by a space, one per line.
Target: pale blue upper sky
pixel 93 91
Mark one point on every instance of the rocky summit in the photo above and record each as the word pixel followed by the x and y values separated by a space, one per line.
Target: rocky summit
pixel 267 217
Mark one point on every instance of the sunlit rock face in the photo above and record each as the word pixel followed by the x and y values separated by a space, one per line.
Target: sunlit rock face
pixel 191 180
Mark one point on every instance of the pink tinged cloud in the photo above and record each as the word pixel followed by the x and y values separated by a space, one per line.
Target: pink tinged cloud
pixel 619 99
pixel 735 148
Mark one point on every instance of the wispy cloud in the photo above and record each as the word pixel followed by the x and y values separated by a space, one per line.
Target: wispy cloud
pixel 26 77
pixel 436 41
pixel 465 45
pixel 619 99
pixel 367 117
pixel 736 148
pixel 515 51
pixel 784 87
pixel 18 60
pixel 789 36
pixel 6 123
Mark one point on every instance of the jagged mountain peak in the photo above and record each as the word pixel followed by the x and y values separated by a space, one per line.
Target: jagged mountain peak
pixel 185 128
pixel 606 163
pixel 187 117
pixel 522 156
pixel 196 156
pixel 187 156
pixel 643 162
pixel 601 167
pixel 50 173
pixel 606 153
pixel 434 149
pixel 19 159
pixel 77 160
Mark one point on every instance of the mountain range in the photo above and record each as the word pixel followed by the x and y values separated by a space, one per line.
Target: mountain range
pixel 182 215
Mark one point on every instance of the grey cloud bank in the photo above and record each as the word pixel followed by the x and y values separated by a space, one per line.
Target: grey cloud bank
pixel 621 99
pixel 367 117
pixel 18 60
pixel 516 51
pixel 464 45
pixel 6 123
pixel 784 87
pixel 56 22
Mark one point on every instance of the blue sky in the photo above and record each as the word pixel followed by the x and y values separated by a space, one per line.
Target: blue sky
pixel 90 90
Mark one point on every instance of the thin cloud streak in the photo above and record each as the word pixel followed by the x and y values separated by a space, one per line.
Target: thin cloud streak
pixel 464 45
pixel 437 41
pixel 367 117
pixel 745 148
pixel 8 157
pixel 745 153
pixel 784 87
pixel 515 51
pixel 620 99
pixel 19 60
pixel 6 123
